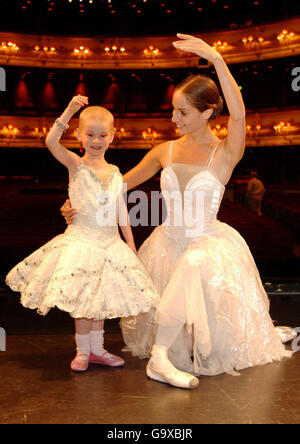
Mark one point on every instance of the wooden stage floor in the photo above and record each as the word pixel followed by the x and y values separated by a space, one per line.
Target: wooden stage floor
pixel 38 387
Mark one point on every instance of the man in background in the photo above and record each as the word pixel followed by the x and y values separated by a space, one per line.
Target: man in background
pixel 255 193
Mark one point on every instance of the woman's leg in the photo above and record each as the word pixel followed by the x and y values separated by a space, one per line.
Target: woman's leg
pixel 171 317
pixel 160 368
pixel 166 336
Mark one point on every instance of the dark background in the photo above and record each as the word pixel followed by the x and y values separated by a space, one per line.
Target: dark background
pixel 155 17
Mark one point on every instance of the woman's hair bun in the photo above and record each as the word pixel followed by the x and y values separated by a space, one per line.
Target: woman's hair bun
pixel 218 108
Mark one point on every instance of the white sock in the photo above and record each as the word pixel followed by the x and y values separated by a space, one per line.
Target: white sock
pixel 83 344
pixel 97 342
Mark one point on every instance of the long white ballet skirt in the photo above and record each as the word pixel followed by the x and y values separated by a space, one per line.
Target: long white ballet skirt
pixel 88 270
pixel 208 282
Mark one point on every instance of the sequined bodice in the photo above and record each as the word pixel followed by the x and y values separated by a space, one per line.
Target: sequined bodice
pixel 196 193
pixel 89 195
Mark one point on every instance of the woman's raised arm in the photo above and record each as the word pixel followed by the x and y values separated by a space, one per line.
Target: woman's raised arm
pixel 235 141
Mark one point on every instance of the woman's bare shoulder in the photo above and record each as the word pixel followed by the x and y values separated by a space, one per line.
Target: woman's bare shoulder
pixel 161 147
pixel 161 151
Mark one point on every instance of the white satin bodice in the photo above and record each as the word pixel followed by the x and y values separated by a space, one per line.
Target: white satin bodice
pixel 195 190
pixel 94 201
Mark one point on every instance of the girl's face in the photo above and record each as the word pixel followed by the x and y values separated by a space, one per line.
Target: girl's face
pixel 95 136
pixel 187 118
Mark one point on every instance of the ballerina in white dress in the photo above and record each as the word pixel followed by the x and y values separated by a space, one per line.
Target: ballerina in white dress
pixel 88 271
pixel 213 315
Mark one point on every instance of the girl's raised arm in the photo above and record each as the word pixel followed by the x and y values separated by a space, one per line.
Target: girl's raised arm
pixel 63 155
pixel 235 141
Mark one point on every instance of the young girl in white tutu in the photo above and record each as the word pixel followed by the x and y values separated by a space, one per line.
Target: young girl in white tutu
pixel 88 271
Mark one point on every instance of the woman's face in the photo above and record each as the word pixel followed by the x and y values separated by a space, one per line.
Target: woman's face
pixel 187 118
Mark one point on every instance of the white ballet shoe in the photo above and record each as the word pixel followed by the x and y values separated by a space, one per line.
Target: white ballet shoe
pixel 177 379
pixel 161 369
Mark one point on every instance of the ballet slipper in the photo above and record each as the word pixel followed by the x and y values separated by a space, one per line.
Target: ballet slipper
pixel 177 379
pixel 161 369
pixel 107 359
pixel 80 363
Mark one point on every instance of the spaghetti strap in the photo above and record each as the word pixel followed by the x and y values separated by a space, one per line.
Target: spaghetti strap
pixel 170 153
pixel 212 156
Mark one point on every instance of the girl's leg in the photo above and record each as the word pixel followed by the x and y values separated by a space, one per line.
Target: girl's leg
pixel 98 353
pixel 97 338
pixel 82 338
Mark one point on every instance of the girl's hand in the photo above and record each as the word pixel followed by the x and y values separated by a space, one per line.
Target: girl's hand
pixel 197 46
pixel 68 212
pixel 77 103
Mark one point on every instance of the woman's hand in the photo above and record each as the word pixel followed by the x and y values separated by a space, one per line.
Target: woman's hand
pixel 77 103
pixel 68 212
pixel 197 46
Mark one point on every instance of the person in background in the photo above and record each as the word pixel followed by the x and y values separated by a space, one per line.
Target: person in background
pixel 255 193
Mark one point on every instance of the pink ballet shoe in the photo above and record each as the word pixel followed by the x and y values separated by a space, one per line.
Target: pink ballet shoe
pixel 80 363
pixel 107 359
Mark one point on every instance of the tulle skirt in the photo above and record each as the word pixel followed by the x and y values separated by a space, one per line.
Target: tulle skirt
pixel 211 289
pixel 86 276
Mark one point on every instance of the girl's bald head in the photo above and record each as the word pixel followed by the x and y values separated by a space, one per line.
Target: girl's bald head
pixel 97 114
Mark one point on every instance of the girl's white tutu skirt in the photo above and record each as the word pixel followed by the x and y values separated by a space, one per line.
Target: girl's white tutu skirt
pixel 88 277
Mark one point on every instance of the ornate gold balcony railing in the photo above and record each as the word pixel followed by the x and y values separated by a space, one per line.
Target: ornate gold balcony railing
pixel 280 128
pixel 264 42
